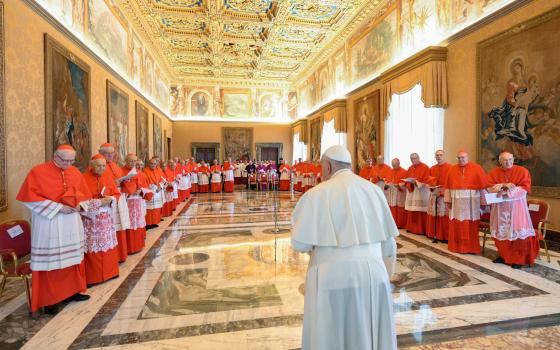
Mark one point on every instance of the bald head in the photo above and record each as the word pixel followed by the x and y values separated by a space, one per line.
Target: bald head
pixel 396 163
pixel 380 160
pixel 108 152
pixel 131 160
pixel 414 158
pixel 140 164
pixel 506 160
pixel 440 156
pixel 64 158
pixel 98 166
pixel 462 158
pixel 153 163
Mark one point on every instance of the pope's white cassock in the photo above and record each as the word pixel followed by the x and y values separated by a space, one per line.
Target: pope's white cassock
pixel 346 226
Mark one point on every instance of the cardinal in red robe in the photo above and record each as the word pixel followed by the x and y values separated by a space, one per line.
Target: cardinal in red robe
pixel 229 180
pixel 395 191
pixel 136 209
pixel 417 196
pixel 155 183
pixel 121 216
pixel 366 170
pixel 203 178
pixel 216 178
pixel 101 253
pixel 510 222
pixel 437 225
pixel 53 192
pixel 464 186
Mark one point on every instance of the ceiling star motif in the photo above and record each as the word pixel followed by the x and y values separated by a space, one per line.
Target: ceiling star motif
pixel 266 41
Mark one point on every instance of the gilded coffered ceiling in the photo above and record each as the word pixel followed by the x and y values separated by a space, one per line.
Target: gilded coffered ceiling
pixel 263 42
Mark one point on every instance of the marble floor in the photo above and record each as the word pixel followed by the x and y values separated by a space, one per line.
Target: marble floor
pixel 220 274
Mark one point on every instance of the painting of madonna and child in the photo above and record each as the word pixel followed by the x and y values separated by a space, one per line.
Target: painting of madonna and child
pixel 519 100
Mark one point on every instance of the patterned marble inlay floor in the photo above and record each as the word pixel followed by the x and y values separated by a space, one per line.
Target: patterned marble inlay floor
pixel 213 278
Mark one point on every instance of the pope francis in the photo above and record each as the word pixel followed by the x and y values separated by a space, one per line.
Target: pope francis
pixel 346 226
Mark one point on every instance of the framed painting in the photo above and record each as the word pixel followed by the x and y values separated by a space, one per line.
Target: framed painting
pixel 142 148
pixel 117 121
pixel 67 102
pixel 158 152
pixel 315 128
pixel 200 103
pixel 518 101
pixel 236 103
pixel 374 49
pixel 270 104
pixel 367 124
pixel 3 150
pixel 238 143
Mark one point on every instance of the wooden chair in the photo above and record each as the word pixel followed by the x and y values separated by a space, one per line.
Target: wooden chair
pixel 15 253
pixel 539 209
pixel 484 227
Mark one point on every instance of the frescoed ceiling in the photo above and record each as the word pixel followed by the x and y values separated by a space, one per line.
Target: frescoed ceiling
pixel 243 41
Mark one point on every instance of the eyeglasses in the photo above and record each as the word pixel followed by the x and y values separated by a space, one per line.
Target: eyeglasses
pixel 68 161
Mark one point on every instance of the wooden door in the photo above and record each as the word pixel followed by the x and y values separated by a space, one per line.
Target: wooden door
pixel 269 153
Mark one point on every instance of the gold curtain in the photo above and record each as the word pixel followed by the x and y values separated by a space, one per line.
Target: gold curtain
pixel 337 111
pixel 431 74
pixel 301 128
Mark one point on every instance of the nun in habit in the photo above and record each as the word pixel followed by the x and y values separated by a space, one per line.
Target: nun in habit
pixel 346 226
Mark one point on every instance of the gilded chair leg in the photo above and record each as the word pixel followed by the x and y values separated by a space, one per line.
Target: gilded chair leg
pixel 483 242
pixel 546 250
pixel 27 290
pixel 3 284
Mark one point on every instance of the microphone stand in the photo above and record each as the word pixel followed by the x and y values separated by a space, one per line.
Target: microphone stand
pixel 435 240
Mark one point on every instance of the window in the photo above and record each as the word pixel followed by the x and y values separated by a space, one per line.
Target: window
pixel 300 149
pixel 411 127
pixel 330 137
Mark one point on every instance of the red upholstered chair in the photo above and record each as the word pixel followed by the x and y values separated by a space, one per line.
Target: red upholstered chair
pixel 15 253
pixel 263 181
pixel 275 180
pixel 252 180
pixel 538 209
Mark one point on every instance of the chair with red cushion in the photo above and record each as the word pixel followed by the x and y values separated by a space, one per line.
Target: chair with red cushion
pixel 252 180
pixel 14 253
pixel 539 209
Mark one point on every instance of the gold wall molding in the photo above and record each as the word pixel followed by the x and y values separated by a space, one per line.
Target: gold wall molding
pixel 39 10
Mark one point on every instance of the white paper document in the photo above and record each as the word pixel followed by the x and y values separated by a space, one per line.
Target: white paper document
pixel 128 176
pixel 15 231
pixel 534 207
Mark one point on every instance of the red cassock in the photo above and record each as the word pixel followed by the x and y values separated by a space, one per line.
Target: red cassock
pixel 116 173
pixel 144 184
pixel 284 183
pixel 194 169
pixel 203 188
pixel 516 251
pixel 171 175
pixel 438 225
pixel 184 193
pixel 297 168
pixel 167 209
pixel 365 171
pixel 397 196
pixel 462 187
pixel 229 180
pixel 416 219
pixel 308 170
pixel 380 173
pixel 47 182
pixel 153 215
pixel 318 173
pixel 215 186
pixel 137 232
pixel 104 265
